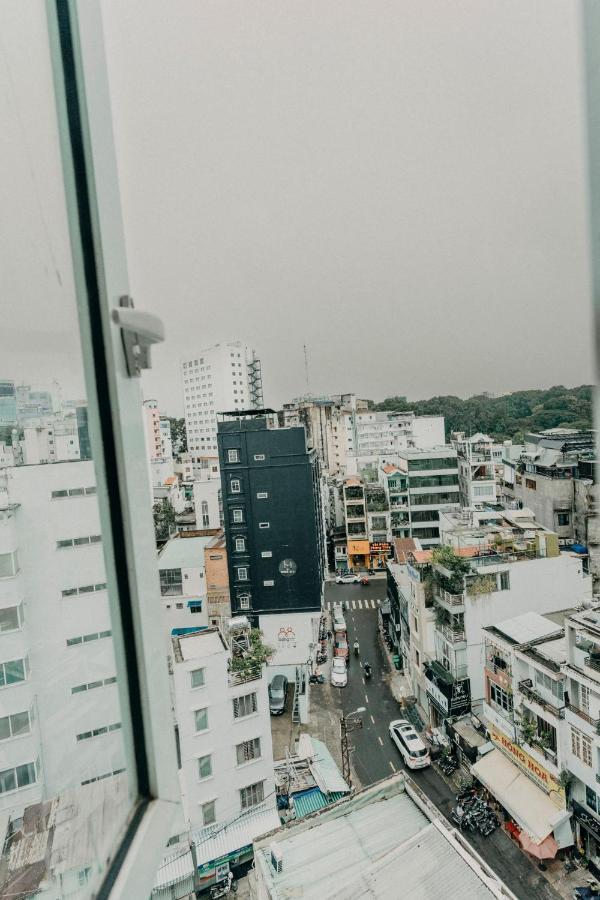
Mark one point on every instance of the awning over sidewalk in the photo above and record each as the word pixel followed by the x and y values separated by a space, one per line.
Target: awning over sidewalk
pixel 529 806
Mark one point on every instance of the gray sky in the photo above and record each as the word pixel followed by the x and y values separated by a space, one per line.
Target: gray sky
pixel 398 184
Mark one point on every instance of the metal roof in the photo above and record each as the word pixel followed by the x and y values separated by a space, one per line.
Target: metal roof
pixel 527 627
pixel 325 770
pixel 307 802
pixel 184 553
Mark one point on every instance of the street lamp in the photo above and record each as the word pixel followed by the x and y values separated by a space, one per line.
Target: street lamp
pixel 347 725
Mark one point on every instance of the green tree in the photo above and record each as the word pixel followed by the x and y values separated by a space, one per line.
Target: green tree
pixel 164 520
pixel 178 435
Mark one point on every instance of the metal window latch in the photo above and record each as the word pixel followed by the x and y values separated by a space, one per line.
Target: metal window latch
pixel 139 330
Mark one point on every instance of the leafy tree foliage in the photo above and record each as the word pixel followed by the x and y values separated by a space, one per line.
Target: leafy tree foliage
pixel 178 435
pixel 509 416
pixel 164 519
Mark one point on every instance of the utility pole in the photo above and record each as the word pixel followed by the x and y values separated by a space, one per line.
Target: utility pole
pixel 348 724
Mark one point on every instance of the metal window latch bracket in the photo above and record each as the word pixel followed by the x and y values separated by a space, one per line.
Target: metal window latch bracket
pixel 139 330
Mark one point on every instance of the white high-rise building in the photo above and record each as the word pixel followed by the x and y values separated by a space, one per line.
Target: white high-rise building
pixel 59 706
pixel 220 378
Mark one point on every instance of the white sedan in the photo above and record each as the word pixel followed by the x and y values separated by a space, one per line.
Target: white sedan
pixel 348 578
pixel 339 673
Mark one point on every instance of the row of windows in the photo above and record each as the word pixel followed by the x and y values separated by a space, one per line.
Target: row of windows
pixel 102 682
pixel 242 706
pixel 86 638
pixel 501 698
pixel 581 746
pixel 96 732
pixel 78 542
pixel 233 456
pixel 237 517
pixel 235 486
pixel 84 589
pixel 102 777
pixel 14 725
pixel 73 492
pixel 419 481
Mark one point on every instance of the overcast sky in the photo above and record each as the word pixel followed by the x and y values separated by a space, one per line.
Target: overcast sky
pixel 399 185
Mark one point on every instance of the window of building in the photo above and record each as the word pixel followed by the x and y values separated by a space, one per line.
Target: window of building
pixel 242 573
pixel 252 795
pixel 530 483
pixel 78 542
pixel 247 751
pixel 171 582
pixel 581 746
pixel 563 518
pixel 240 544
pixel 233 456
pixel 84 589
pixel 10 618
pixel 549 685
pixel 209 816
pixel 205 514
pixel 504 581
pixel 204 767
pixel 259 457
pixel 87 638
pixel 262 495
pixel 97 732
pixel 266 554
pixel 14 725
pixel 238 515
pixel 197 678
pixel 269 582
pixel 201 719
pixel 244 601
pixel 90 685
pixel 235 485
pixel 264 524
pixel 13 672
pixel 9 564
pixel 591 799
pixel 244 706
pixel 17 777
pixel 500 698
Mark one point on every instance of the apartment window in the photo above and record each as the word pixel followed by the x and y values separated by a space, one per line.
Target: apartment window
pixel 259 457
pixel 197 678
pixel 171 582
pixel 97 732
pixel 205 514
pixel 563 518
pixel 204 766
pixel 84 589
pixel 581 746
pixel 240 544
pixel 209 816
pixel 591 799
pixel 252 795
pixel 244 706
pixel 501 698
pixel 201 719
pixel 242 573
pixel 244 601
pixel 90 685
pixel 73 492
pixel 530 483
pixel 10 618
pixel 556 688
pixel 18 777
pixel 247 751
pixel 14 725
pixel 269 582
pixel 238 516
pixel 262 495
pixel 13 672
pixel 264 524
pixel 235 485
pixel 87 638
pixel 504 581
pixel 266 554
pixel 78 542
pixel 233 456
pixel 9 564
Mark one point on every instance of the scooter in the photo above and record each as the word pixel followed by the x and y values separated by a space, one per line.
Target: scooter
pixel 367 670
pixel 588 891
pixel 222 888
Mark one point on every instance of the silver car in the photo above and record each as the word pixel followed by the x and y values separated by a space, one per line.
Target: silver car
pixel 278 695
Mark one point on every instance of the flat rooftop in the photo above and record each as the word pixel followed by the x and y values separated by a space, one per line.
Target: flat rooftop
pixel 209 642
pixel 184 552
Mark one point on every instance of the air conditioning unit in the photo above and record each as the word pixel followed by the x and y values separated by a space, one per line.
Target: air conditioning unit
pixel 276 858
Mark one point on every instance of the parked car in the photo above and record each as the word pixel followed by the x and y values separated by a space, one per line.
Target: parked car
pixel 339 674
pixel 340 647
pixel 412 749
pixel 278 695
pixel 347 578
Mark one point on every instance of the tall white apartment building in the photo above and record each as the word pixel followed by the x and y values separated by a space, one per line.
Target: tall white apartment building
pixel 154 437
pixel 224 732
pixel 60 719
pixel 217 379
pixel 375 434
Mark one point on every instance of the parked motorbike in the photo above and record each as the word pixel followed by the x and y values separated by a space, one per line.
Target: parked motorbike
pixel 588 891
pixel 223 888
pixel 316 679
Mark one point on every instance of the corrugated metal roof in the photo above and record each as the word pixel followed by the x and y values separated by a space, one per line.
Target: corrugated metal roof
pixel 325 770
pixel 307 802
pixel 528 626
pixel 218 841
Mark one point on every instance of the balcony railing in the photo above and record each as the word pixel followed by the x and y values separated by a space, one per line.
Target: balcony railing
pixel 526 688
pixel 584 715
pixel 592 662
pixel 454 635
pixel 236 678
pixel 449 599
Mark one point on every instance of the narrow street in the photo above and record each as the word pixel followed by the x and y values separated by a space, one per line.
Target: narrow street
pixel 376 757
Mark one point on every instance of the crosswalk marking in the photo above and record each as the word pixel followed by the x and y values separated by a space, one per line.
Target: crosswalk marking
pixel 359 604
pixel 354 604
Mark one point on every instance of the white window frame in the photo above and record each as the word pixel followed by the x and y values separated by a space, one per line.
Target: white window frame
pixel 117 434
pixel 233 456
pixel 266 554
pixel 240 545
pixel 242 573
pixel 235 486
pixel 235 519
pixel 264 524
pixel 259 457
pixel 262 495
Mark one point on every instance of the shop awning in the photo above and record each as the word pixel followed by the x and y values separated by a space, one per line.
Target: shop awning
pixel 529 806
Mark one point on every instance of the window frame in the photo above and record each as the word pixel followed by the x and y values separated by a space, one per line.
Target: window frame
pixel 99 266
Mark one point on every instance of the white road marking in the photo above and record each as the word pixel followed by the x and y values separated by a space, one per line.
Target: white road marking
pixel 359 604
pixel 372 604
pixel 372 720
pixel 392 766
pixel 366 698
pixel 380 741
pixel 363 681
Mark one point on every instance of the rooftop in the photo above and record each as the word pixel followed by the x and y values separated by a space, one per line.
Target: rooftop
pixel 183 552
pixel 205 643
pixel 529 626
pixel 367 845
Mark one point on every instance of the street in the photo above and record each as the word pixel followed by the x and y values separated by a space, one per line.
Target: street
pixel 375 756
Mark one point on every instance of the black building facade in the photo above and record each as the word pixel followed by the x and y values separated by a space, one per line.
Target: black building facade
pixel 272 517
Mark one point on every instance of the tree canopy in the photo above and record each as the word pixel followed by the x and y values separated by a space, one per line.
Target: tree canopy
pixel 506 417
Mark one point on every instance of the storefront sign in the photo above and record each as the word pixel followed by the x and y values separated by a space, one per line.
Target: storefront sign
pixel 358 548
pixel 542 777
pixel 452 698
pixel 435 693
pixel 380 548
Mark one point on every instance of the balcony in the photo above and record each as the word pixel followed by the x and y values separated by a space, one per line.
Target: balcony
pixel 584 715
pixel 526 688
pixel 593 663
pixel 452 635
pixel 237 678
pixel 455 602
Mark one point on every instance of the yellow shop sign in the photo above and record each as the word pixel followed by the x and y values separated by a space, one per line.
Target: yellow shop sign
pixel 542 777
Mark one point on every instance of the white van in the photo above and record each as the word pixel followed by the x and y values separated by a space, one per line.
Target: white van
pixel 412 749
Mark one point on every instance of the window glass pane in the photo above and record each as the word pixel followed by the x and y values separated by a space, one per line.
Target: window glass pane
pixel 14 671
pixel 197 678
pixel 8 780
pixel 19 723
pixel 9 618
pixel 201 719
pixel 4 728
pixel 204 767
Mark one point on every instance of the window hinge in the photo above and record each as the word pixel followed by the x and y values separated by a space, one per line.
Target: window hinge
pixel 139 330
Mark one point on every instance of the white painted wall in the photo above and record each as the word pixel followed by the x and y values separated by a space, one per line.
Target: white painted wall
pixel 291 636
pixel 207 491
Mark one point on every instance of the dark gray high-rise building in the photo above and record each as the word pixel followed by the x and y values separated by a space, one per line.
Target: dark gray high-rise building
pixel 272 512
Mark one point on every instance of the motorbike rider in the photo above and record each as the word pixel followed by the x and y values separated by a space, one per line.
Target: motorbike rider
pixel 367 668
pixel 356 648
